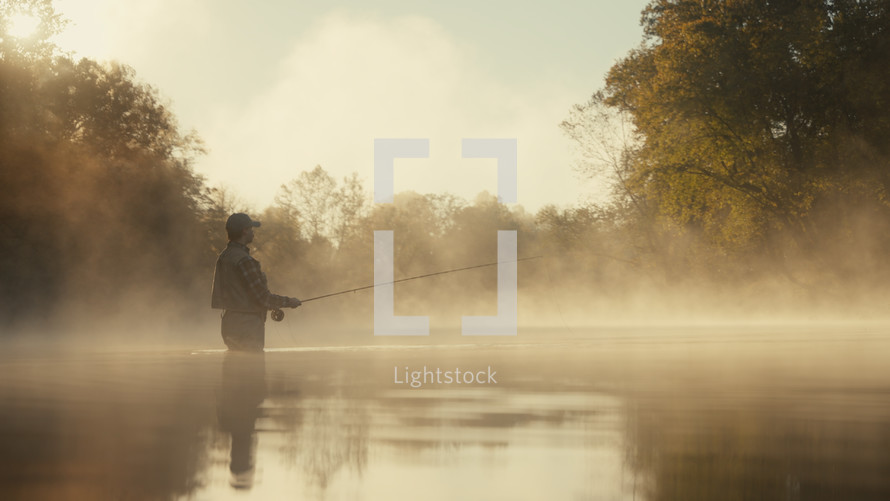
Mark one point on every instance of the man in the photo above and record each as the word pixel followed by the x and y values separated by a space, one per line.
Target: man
pixel 240 288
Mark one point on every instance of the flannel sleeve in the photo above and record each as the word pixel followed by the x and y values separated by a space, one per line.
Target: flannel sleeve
pixel 256 284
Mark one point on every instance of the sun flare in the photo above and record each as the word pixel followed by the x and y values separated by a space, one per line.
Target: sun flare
pixel 23 25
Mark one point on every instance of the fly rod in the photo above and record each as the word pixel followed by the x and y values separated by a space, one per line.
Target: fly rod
pixel 278 315
pixel 414 278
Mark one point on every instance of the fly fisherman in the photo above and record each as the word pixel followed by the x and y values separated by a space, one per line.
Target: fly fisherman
pixel 240 288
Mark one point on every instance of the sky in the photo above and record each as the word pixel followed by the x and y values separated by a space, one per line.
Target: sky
pixel 275 88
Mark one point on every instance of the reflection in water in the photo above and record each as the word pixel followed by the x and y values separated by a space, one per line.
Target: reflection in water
pixel 799 418
pixel 243 390
pixel 103 427
pixel 790 447
pixel 319 434
pixel 333 436
pixel 330 428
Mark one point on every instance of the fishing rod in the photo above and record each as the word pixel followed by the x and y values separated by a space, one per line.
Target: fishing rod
pixel 278 315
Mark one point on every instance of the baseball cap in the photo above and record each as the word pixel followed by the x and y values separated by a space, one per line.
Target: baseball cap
pixel 240 221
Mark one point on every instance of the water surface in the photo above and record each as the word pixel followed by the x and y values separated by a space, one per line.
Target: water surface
pixel 655 414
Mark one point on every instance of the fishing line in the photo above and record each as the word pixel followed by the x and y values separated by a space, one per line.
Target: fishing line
pixel 278 315
pixel 415 278
pixel 277 330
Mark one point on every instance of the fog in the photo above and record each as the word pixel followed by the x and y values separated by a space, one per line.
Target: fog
pixel 714 329
pixel 97 268
pixel 723 210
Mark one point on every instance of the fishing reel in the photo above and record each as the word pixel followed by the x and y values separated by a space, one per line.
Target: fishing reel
pixel 277 315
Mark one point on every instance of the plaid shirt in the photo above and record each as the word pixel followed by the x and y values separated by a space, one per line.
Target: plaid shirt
pixel 256 284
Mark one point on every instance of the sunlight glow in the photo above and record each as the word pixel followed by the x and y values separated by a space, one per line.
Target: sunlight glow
pixel 23 25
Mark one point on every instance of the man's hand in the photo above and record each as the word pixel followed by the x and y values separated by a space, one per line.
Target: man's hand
pixel 293 302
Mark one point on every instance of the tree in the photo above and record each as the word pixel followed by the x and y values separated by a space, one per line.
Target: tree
pixel 758 120
pixel 97 192
pixel 36 46
pixel 324 209
pixel 350 202
pixel 310 198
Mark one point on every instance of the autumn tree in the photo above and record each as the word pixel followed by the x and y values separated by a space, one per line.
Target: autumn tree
pixel 97 194
pixel 323 207
pixel 760 126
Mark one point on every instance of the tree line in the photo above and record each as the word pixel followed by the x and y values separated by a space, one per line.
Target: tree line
pixel 748 138
pixel 745 143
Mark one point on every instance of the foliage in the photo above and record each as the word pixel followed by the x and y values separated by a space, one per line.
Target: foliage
pixel 742 138
pixel 321 207
pixel 753 124
pixel 96 186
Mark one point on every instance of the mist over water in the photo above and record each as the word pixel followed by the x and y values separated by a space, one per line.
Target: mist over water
pixel 639 414
pixel 716 329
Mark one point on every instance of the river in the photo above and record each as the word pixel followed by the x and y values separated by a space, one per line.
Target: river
pixel 704 413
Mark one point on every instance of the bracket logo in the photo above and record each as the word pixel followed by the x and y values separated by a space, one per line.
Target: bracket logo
pixel 386 323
